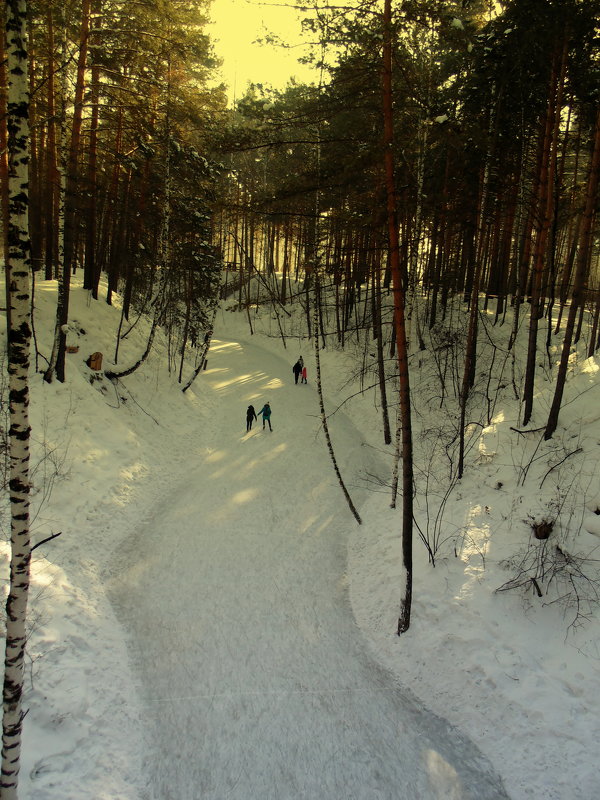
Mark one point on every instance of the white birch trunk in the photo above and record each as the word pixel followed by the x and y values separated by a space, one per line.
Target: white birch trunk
pixel 18 369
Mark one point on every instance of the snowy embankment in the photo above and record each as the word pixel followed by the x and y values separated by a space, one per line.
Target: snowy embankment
pixel 102 456
pixel 518 673
pixel 505 668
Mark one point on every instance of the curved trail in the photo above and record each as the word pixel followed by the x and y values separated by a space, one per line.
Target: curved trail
pixel 256 680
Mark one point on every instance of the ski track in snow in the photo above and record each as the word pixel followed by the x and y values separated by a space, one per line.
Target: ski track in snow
pixel 256 681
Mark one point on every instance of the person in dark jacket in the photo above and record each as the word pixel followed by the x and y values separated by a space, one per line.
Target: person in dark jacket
pixel 297 369
pixel 266 415
pixel 250 417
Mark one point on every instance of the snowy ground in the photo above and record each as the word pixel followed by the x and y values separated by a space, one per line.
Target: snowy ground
pixel 252 620
pixel 253 672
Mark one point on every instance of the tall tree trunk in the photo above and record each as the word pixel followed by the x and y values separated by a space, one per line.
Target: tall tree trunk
pixel 189 284
pixel 71 193
pixel 117 218
pixel 164 249
pixel 4 167
pixel 595 325
pixel 315 263
pixel 203 353
pixel 52 177
pixel 59 214
pixel 18 369
pixel 377 321
pixel 286 263
pixel 580 277
pixel 467 381
pixel 35 161
pixel 545 195
pixel 89 270
pixel 324 422
pixel 399 321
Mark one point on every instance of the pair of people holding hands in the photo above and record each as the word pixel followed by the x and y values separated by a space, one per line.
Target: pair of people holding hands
pixel 251 416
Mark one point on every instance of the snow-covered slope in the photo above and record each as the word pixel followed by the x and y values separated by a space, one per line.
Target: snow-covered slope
pixel 508 669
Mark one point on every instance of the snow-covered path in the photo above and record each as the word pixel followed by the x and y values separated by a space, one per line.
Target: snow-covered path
pixel 257 683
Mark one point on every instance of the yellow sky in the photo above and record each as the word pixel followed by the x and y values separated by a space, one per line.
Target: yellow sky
pixel 236 23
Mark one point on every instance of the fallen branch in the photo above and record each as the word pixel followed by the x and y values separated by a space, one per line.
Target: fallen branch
pixel 537 587
pixel 530 430
pixel 47 539
pixel 572 453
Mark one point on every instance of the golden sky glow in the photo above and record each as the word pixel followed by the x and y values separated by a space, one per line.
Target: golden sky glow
pixel 236 24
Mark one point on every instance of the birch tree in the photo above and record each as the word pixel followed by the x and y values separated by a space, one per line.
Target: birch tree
pixel 18 366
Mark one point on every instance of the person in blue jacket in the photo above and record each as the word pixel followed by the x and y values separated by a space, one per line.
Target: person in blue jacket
pixel 266 415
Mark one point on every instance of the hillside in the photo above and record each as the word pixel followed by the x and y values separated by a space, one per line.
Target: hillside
pixel 515 673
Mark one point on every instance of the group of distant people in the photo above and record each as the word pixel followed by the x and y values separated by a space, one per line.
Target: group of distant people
pixel 299 371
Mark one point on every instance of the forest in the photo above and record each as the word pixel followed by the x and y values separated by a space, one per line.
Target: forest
pixel 431 198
